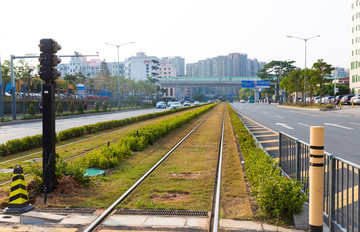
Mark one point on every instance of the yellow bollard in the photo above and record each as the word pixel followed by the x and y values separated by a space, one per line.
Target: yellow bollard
pixel 352 103
pixel 340 104
pixel 316 178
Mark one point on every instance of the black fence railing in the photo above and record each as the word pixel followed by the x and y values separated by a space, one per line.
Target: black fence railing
pixel 341 182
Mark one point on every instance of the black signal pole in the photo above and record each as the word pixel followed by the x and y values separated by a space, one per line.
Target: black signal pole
pixel 48 73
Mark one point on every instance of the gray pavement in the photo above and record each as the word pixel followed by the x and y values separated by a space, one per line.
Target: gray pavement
pixel 71 222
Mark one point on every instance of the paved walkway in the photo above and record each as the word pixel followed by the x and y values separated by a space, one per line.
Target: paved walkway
pixel 35 221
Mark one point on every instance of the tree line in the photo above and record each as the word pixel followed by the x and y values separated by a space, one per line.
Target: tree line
pixel 27 72
pixel 314 81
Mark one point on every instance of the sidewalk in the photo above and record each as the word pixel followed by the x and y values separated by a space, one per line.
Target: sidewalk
pixel 70 222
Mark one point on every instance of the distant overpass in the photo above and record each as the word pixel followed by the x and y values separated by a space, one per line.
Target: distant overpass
pixel 194 82
pixel 188 82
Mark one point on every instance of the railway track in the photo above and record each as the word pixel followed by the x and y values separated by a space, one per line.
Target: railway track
pixel 215 203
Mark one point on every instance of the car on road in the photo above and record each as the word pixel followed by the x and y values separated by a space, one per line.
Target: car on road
pixel 169 103
pixel 242 101
pixel 196 103
pixel 187 103
pixel 161 105
pixel 175 105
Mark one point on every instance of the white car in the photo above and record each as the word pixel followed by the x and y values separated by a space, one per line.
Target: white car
pixel 175 105
pixel 196 103
pixel 242 101
pixel 356 99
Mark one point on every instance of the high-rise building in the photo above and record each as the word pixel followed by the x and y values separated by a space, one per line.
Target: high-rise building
pixel 177 61
pixel 232 65
pixel 141 66
pixel 355 48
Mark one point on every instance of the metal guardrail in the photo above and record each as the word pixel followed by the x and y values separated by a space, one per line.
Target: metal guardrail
pixel 341 182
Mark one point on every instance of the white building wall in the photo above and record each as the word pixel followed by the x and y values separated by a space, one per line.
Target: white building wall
pixel 354 77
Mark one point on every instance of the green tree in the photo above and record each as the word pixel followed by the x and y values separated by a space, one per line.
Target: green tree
pixel 294 82
pixel 80 108
pixel 25 71
pixel 275 71
pixel 31 110
pixel 321 71
pixel 245 93
pixel 328 89
pixel 5 74
pixel 72 80
pixel 72 107
pixel 97 106
pixel 104 106
pixel 59 108
pixel 200 97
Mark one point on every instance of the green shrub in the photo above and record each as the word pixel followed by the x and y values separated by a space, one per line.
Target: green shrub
pixel 31 109
pixel 96 106
pixel 119 106
pixel 59 108
pixel 109 107
pixel 80 108
pixel 277 196
pixel 104 106
pixel 72 107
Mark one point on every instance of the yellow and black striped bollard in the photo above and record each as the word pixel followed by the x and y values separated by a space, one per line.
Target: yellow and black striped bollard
pixel 19 198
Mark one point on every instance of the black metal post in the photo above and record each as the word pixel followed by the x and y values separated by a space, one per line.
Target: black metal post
pixel 48 97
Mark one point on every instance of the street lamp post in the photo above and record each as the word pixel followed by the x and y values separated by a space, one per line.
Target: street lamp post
pixel 305 40
pixel 118 64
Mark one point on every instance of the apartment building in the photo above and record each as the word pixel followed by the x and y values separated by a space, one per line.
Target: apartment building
pixel 141 66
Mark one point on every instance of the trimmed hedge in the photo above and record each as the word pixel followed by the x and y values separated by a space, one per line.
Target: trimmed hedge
pixel 137 140
pixel 277 196
pixel 30 142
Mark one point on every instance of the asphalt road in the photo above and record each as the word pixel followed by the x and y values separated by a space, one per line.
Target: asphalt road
pixel 15 131
pixel 342 127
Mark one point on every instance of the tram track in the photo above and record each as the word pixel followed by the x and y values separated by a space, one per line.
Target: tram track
pixel 214 214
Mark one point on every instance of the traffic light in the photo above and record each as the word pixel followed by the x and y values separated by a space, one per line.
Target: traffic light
pixel 48 60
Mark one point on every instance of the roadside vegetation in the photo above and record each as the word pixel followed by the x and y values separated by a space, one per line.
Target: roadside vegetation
pixel 277 197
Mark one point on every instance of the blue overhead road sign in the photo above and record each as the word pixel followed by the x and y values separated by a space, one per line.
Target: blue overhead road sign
pixel 263 84
pixel 247 84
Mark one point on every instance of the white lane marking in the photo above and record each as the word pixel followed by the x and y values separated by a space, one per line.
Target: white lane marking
pixel 303 124
pixel 266 112
pixel 354 123
pixel 336 125
pixel 284 125
pixel 279 116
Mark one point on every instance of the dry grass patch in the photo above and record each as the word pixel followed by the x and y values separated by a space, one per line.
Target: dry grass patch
pixel 104 190
pixel 190 169
pixel 235 203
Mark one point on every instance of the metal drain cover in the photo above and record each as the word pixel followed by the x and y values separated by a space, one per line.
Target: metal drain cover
pixel 163 212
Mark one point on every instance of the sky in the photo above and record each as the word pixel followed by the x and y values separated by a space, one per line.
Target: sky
pixel 192 29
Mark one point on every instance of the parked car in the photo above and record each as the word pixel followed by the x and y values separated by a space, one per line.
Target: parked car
pixel 175 105
pixel 242 101
pixel 316 99
pixel 196 103
pixel 187 103
pixel 346 99
pixel 356 99
pixel 331 99
pixel 161 105
pixel 7 94
pixel 169 103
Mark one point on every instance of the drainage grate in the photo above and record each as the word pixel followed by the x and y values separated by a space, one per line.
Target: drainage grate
pixel 66 210
pixel 163 212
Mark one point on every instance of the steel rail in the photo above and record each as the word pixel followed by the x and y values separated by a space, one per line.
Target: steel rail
pixel 109 210
pixel 214 220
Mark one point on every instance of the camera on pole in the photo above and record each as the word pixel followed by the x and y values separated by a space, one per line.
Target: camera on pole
pixel 48 60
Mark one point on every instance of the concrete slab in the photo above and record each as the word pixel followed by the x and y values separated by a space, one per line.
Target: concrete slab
pixel 236 225
pixel 302 220
pixel 43 216
pixel 201 223
pixel 76 219
pixel 9 219
pixel 36 229
pixel 267 227
pixel 154 221
pixel 126 220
